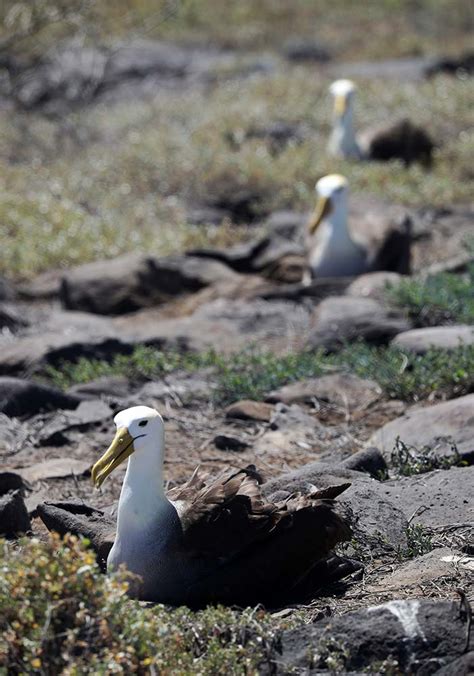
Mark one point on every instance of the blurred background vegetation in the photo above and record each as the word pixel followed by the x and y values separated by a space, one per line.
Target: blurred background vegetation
pixel 118 176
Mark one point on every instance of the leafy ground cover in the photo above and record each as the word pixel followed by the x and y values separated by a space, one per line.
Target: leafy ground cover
pixel 440 299
pixel 252 374
pixel 60 614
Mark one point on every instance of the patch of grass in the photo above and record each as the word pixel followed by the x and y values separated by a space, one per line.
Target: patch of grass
pixel 59 614
pixel 408 460
pixel 251 375
pixel 445 298
pixel 396 27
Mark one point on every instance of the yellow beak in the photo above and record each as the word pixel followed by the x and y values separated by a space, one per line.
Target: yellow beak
pixel 340 105
pixel 323 208
pixel 118 451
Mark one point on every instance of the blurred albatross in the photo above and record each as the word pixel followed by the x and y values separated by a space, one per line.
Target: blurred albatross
pixel 336 248
pixel 401 139
pixel 213 540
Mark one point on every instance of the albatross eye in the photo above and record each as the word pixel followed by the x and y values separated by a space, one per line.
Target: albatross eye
pixel 143 423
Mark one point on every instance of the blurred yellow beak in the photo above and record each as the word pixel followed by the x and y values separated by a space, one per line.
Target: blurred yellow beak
pixel 323 208
pixel 340 105
pixel 118 451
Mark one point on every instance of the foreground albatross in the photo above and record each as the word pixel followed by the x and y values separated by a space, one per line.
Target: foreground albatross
pixel 336 249
pixel 391 140
pixel 212 541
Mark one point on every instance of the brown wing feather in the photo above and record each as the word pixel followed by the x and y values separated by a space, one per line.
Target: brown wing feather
pixel 275 567
pixel 258 549
pixel 224 516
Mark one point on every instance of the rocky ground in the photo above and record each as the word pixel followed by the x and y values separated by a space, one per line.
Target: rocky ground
pixel 81 342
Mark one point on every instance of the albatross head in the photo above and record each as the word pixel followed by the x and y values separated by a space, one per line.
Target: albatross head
pixel 332 193
pixel 343 93
pixel 140 431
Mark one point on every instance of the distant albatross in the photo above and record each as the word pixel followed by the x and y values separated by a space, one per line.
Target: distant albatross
pixel 211 541
pixel 402 139
pixel 335 248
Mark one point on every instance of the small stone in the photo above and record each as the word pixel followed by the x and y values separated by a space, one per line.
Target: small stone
pixel 10 481
pixel 225 442
pixel 341 389
pixel 14 519
pixel 249 410
pixel 24 398
pixel 421 340
pixel 369 460
pixel 373 284
pixel 56 468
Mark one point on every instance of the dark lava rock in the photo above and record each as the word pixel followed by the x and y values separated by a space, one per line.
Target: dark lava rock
pixel 73 74
pixel 256 256
pixel 10 319
pixel 416 636
pixel 249 410
pixel 112 387
pixel 341 389
pixel 460 66
pixel 375 518
pixel 131 282
pixel 206 215
pixel 24 398
pixel 7 291
pixel 369 460
pixel 224 442
pixel 435 427
pixel 277 135
pixel 463 666
pixel 300 50
pixel 434 498
pixel 53 430
pixel 287 224
pixel 14 519
pixel 81 520
pixel 10 481
pixel 339 320
pixel 31 353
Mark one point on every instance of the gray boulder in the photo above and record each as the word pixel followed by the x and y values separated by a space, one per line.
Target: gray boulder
pixel 341 319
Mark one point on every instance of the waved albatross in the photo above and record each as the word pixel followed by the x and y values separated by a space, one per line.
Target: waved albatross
pixel 393 140
pixel 336 248
pixel 213 540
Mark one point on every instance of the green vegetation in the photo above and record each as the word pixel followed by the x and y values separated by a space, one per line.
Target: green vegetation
pixel 59 614
pixel 408 460
pixel 251 375
pixel 440 299
pixel 419 542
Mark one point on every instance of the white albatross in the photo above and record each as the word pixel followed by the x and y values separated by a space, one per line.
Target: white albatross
pixel 212 541
pixel 336 249
pixel 399 139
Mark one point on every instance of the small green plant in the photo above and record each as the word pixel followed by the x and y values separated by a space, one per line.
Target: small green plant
pixel 408 460
pixel 60 614
pixel 419 542
pixel 445 298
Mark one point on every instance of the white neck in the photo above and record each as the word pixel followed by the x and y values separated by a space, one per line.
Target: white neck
pixel 343 142
pixel 143 497
pixel 336 222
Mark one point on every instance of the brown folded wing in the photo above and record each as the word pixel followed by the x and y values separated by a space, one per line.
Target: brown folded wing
pixel 260 550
